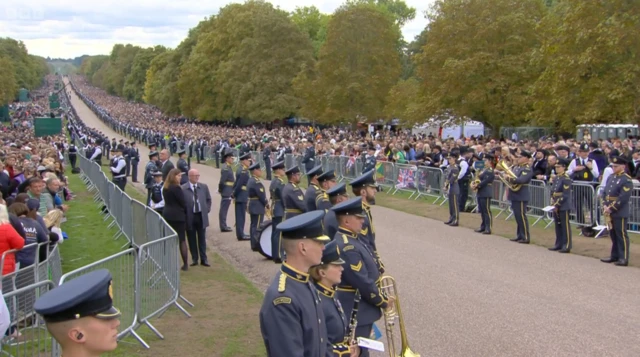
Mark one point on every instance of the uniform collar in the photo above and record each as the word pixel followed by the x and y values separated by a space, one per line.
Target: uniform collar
pixel 256 177
pixel 347 232
pixel 328 292
pixel 294 274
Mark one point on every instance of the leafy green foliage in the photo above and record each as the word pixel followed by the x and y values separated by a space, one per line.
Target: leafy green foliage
pixel 18 69
pixel 311 21
pixel 135 80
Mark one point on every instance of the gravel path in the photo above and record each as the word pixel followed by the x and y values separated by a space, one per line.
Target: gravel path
pixel 465 294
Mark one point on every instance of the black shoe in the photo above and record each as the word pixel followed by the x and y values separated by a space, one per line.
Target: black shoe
pixel 246 237
pixel 447 222
pixel 622 263
pixel 224 230
pixel 515 239
pixel 136 181
pixel 486 232
pixel 194 264
pixel 255 249
pixel 185 268
pixel 242 239
pixel 553 249
pixel 564 251
pixel 608 260
pixel 524 241
pixel 205 264
pixel 453 225
pixel 479 230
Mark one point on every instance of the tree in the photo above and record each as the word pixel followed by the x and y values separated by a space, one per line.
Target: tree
pixel 135 80
pixel 403 101
pixel 358 65
pixel 28 70
pixel 398 8
pixel 90 65
pixel 8 84
pixel 592 73
pixel 477 59
pixel 120 63
pixel 312 22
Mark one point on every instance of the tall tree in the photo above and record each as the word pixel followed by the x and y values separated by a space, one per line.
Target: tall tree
pixel 8 84
pixel 358 65
pixel 134 81
pixel 402 12
pixel 592 74
pixel 477 60
pixel 312 22
pixel 120 63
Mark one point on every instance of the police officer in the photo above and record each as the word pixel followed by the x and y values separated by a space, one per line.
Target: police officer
pixel 485 194
pixel 258 204
pixel 520 198
pixel 309 158
pixel 583 169
pixel 149 169
pixel 183 166
pixel 106 147
pixel 80 316
pixel 326 180
pixel 561 201
pixel 292 320
pixel 73 155
pixel 337 194
pixel 292 195
pixel 156 201
pixel 361 270
pixel 464 176
pixel 617 194
pixel 225 189
pixel 266 157
pixel 370 159
pixel 118 169
pixel 314 190
pixel 451 183
pixel 241 195
pixel 134 155
pixel 277 206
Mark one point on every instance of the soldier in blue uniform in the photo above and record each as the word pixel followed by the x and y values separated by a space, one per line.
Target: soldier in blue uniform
pixel 561 201
pixel 127 157
pixel 314 190
pixel 258 204
pixel 485 194
pixel 452 190
pixel 617 195
pixel 183 166
pixel 225 189
pixel 118 169
pixel 277 206
pixel 366 188
pixel 134 155
pixel 520 198
pixel 266 157
pixel 326 277
pixel 362 270
pixel 80 315
pixel 152 166
pixel 241 196
pixel 327 180
pixel 370 159
pixel 337 194
pixel 157 200
pixel 292 320
pixel 309 158
pixel 292 195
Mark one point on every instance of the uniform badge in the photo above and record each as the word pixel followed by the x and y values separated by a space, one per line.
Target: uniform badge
pixel 301 198
pixel 111 291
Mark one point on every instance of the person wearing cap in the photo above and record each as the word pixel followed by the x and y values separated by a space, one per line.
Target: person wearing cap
pixel 583 169
pixel 561 201
pixel 452 189
pixel 152 146
pixel 156 200
pixel 258 204
pixel 183 166
pixel 337 194
pixel 241 195
pixel 313 191
pixel 292 320
pixel 96 154
pixel 326 276
pixel 113 143
pixel 616 197
pixel 465 164
pixel 277 209
pixel 80 315
pixel 225 189
pixel 562 151
pixel 485 193
pixel 126 152
pixel 266 157
pixel 362 270
pixel 149 169
pixel 520 198
pixel 134 157
pixel 292 195
pixel 309 158
pixel 73 155
pixel 327 180
pixel 118 169
pixel 369 159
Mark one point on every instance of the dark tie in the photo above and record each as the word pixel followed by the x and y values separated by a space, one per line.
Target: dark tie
pixel 196 204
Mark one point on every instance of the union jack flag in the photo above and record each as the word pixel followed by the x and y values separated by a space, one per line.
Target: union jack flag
pixel 351 162
pixel 405 179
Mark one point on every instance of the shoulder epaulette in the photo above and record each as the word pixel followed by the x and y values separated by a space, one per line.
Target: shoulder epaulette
pixel 282 283
pixel 628 176
pixel 345 239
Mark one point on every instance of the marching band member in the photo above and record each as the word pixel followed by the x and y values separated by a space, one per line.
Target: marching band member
pixel 337 194
pixel 277 206
pixel 225 189
pixel 485 194
pixel 240 195
pixel 520 198
pixel 617 194
pixel 258 204
pixel 362 270
pixel 292 320
pixel 326 277
pixel 156 201
pixel 451 181
pixel 561 200
pixel 365 187
pixel 327 180
pixel 314 189
pixel 292 195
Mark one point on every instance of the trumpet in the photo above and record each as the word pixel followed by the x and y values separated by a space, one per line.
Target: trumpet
pixel 502 166
pixel 389 288
pixel 267 212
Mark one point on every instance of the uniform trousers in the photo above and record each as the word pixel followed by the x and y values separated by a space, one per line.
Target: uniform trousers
pixel 197 239
pixel 275 238
pixel 619 238
pixel 464 194
pixel 120 182
pixel 241 211
pixel 484 206
pixel 519 209
pixel 255 220
pixel 224 209
pixel 134 170
pixel 563 230
pixel 454 209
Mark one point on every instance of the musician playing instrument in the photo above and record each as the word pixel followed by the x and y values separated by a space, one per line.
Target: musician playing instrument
pixel 451 182
pixel 561 201
pixel 314 191
pixel 326 277
pixel 520 197
pixel 617 195
pixel 361 270
pixel 258 204
pixel 292 195
pixel 484 186
pixel 277 204
pixel 365 186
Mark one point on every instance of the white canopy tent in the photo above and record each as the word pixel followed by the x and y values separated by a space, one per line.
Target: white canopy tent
pixel 449 127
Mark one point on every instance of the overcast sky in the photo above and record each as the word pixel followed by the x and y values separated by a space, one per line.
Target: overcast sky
pixel 71 28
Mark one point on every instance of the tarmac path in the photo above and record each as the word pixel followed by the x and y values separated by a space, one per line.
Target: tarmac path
pixel 466 294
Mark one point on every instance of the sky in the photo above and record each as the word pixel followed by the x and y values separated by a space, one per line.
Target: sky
pixel 71 28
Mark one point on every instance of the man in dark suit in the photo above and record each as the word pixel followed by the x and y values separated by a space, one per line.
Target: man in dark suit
pixel 198 202
pixel 165 164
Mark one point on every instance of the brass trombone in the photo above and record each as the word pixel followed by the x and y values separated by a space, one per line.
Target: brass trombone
pixel 502 166
pixel 389 287
pixel 476 180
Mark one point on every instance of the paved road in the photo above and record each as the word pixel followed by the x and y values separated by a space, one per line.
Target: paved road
pixel 465 294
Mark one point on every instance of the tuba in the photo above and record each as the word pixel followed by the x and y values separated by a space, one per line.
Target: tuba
pixel 502 166
pixel 389 288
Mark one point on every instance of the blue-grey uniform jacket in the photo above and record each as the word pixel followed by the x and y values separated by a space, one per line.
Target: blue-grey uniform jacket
pixel 225 187
pixel 524 174
pixel 361 273
pixel 330 224
pixel 277 204
pixel 452 180
pixel 148 179
pixel 485 187
pixel 369 163
pixel 257 196
pixel 309 158
pixel 617 194
pixel 561 192
pixel 292 320
pixel 316 199
pixel 335 320
pixel 240 192
pixel 184 168
pixel 293 198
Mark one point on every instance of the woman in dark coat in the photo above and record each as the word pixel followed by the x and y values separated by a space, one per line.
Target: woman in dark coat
pixel 175 210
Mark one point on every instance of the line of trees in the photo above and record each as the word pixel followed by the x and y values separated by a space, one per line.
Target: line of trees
pixel 502 62
pixel 18 69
